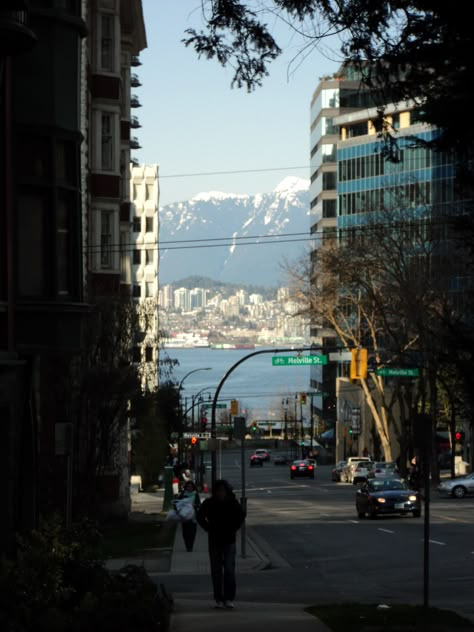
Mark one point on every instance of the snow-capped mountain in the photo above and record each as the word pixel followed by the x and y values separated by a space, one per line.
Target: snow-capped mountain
pixel 213 215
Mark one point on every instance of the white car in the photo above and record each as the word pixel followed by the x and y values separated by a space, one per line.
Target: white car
pixel 457 487
pixel 356 471
pixel 347 474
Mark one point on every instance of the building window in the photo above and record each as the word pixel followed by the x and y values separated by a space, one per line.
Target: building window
pixel 150 290
pixel 31 245
pixel 136 291
pixel 149 191
pixel 329 181
pixel 107 141
pixel 149 354
pixel 136 355
pixel 125 273
pixel 62 245
pixel 149 224
pixel 329 208
pixel 106 234
pixel 137 224
pixel 107 43
pixel 137 259
pixel 148 256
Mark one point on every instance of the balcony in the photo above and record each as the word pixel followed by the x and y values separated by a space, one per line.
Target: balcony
pixel 134 144
pixel 135 162
pixel 135 102
pixel 135 61
pixel 135 81
pixel 135 123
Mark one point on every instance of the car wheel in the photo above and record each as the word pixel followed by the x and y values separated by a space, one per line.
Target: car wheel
pixel 372 513
pixel 417 514
pixel 361 515
pixel 292 477
pixel 459 491
pixel 312 477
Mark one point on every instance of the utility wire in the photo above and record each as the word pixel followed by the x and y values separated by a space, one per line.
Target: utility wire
pixel 231 241
pixel 230 172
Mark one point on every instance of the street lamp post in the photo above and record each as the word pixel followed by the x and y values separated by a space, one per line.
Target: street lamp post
pixel 180 386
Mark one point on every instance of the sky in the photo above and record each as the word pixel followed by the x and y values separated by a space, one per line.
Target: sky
pixel 193 122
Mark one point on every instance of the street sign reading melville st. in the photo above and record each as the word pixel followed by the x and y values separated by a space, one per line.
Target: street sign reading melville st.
pixel 306 360
pixel 397 372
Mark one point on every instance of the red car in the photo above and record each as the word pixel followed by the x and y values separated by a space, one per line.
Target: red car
pixel 256 461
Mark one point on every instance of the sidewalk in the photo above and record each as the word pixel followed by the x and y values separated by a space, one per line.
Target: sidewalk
pixel 192 615
pixel 198 615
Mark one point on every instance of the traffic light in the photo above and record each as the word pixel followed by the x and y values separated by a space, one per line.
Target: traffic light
pixel 234 407
pixel 358 370
pixel 194 440
pixel 350 430
pixel 303 399
pixel 203 423
pixel 459 436
pixel 254 426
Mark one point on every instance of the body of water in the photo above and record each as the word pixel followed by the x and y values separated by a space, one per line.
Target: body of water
pixel 256 384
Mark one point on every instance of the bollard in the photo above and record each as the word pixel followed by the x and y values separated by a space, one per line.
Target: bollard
pixel 168 484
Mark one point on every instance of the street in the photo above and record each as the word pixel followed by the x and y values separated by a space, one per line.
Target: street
pixel 319 551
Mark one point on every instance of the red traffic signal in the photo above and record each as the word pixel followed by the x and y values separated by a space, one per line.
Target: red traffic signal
pixel 203 422
pixel 194 440
pixel 458 436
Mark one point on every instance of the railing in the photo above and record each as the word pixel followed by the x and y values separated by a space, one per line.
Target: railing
pixel 135 61
pixel 135 123
pixel 134 144
pixel 134 102
pixel 135 81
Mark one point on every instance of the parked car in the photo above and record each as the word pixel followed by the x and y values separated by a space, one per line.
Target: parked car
pixel 457 487
pixel 302 468
pixel 256 461
pixel 387 496
pixel 337 470
pixel 281 459
pixel 383 469
pixel 263 454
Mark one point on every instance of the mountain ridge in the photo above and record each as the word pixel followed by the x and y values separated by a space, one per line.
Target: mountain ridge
pixel 212 228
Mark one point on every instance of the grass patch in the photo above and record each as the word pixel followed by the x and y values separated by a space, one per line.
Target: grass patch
pixel 129 539
pixel 398 618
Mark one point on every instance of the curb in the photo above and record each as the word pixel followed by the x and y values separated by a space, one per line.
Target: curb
pixel 265 551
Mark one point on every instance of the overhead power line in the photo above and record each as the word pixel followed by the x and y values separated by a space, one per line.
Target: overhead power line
pixel 231 172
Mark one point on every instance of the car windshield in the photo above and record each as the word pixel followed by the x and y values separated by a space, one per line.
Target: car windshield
pixel 385 466
pixel 383 486
pixel 301 463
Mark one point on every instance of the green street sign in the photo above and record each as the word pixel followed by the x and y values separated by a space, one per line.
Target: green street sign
pixel 308 360
pixel 393 372
pixel 217 406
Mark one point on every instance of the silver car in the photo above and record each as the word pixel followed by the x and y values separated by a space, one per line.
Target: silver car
pixel 457 487
pixel 384 469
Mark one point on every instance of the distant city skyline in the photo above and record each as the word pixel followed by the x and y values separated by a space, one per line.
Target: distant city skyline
pixel 193 122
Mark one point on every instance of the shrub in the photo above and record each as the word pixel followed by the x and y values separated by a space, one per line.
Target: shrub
pixel 57 584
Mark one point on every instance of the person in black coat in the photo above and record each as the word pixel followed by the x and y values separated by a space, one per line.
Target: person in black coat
pixel 221 516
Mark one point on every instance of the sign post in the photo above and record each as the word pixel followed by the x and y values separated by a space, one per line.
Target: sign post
pixel 239 433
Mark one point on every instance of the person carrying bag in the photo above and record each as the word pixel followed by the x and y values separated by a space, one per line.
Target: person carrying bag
pixel 186 506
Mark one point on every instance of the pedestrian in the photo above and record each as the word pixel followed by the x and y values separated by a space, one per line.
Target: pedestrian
pixel 189 527
pixel 221 516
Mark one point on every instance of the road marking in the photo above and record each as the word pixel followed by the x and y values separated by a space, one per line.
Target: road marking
pixel 386 530
pixel 354 521
pixel 452 519
pixel 435 542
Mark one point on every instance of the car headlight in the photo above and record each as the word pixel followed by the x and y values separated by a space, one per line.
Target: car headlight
pixel 381 500
pixel 412 498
